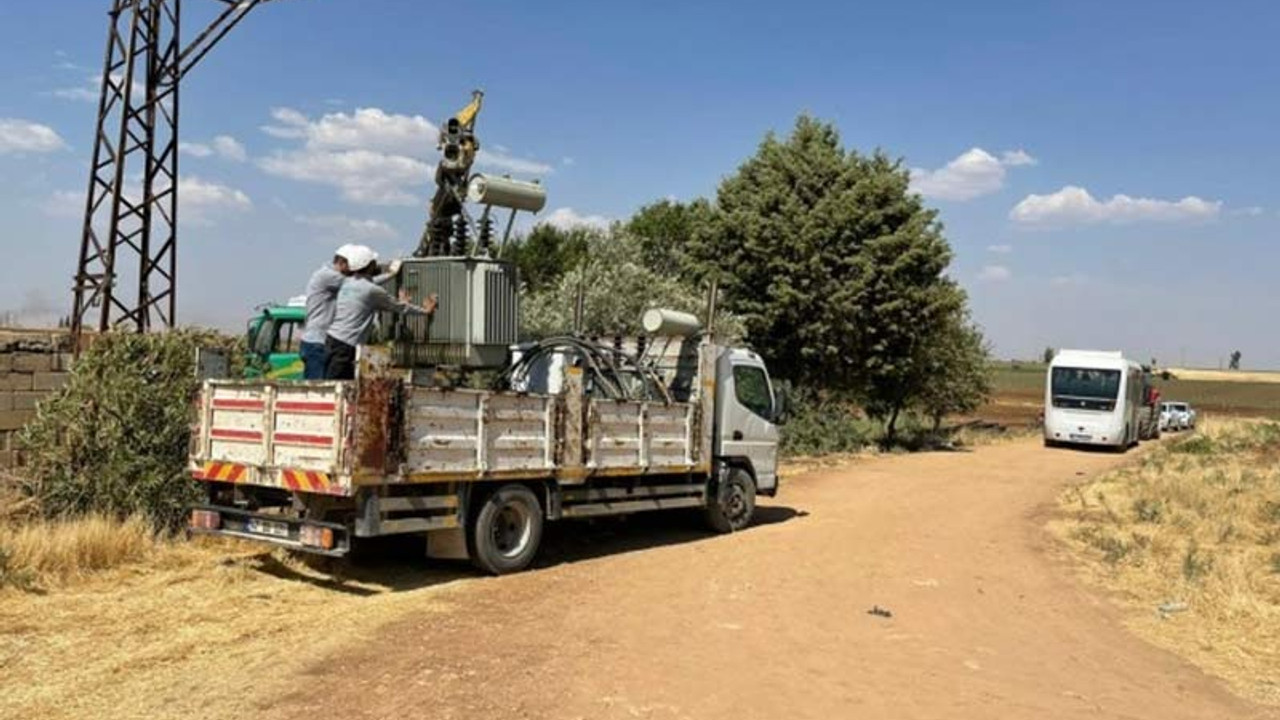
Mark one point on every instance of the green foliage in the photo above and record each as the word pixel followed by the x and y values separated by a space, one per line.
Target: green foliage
pixel 1047 356
pixel 820 426
pixel 115 439
pixel 666 229
pixel 1198 445
pixel 548 252
pixel 835 266
pixel 618 288
pixel 958 375
pixel 1148 510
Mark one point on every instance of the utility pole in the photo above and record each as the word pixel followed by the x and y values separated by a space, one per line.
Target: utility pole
pixel 127 274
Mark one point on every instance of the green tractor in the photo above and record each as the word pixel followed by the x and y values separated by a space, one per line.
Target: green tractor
pixel 273 340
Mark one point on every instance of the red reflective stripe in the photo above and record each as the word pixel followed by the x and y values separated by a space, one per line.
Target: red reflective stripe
pixel 225 434
pixel 290 479
pixel 237 472
pixel 238 404
pixel 303 407
pixel 298 439
pixel 316 482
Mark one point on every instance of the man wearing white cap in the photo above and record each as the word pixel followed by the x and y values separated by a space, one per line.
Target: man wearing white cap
pixel 359 301
pixel 322 297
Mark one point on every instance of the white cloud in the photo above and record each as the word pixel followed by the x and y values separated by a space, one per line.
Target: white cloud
pixel 347 229
pixel 565 218
pixel 224 146
pixel 372 156
pixel 195 149
pixel 362 176
pixel 1017 158
pixel 1000 249
pixel 994 273
pixel 1074 205
pixel 91 90
pixel 63 204
pixel 23 136
pixel 974 173
pixel 200 200
pixel 1253 211
pixel 230 148
pixel 567 161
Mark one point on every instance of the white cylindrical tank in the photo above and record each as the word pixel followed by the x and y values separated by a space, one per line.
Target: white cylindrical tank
pixel 672 323
pixel 506 193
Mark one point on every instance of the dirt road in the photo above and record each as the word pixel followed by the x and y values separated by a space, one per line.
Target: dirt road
pixel 987 621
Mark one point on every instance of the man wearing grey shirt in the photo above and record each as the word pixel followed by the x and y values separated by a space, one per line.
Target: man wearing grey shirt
pixel 322 294
pixel 322 297
pixel 359 301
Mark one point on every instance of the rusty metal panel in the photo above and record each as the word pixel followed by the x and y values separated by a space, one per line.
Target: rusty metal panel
pixel 615 434
pixel 478 434
pixel 571 428
pixel 518 433
pixel 668 435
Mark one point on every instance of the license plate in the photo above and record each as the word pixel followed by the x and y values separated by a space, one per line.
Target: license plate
pixel 1074 436
pixel 268 527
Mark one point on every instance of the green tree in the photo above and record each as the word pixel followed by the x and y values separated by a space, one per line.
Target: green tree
pixel 548 252
pixel 1235 360
pixel 618 287
pixel 835 266
pixel 959 372
pixel 1049 352
pixel 664 231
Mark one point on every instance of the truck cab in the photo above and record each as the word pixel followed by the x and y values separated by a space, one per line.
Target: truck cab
pixel 273 338
pixel 748 412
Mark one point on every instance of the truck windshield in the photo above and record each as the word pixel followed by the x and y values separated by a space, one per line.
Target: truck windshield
pixel 1085 388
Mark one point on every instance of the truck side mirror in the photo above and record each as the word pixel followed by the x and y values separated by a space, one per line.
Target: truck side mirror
pixel 781 404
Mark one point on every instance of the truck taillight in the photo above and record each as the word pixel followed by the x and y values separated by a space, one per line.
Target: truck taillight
pixel 316 537
pixel 205 520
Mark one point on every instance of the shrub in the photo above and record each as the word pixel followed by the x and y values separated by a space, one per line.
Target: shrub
pixel 819 426
pixel 114 440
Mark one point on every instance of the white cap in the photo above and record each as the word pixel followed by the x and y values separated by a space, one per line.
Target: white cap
pixel 343 251
pixel 360 257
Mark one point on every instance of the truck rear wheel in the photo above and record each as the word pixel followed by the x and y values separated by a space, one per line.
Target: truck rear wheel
pixel 507 530
pixel 734 503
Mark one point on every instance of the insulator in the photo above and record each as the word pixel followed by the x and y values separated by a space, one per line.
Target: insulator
pixel 486 236
pixel 461 235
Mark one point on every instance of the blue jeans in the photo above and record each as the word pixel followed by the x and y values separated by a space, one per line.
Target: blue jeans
pixel 314 359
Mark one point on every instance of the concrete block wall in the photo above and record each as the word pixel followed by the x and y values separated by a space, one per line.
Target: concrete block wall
pixel 33 365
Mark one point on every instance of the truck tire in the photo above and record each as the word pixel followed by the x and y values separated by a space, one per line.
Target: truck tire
pixel 507 530
pixel 734 502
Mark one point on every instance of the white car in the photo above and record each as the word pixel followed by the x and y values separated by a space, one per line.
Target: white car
pixel 1176 416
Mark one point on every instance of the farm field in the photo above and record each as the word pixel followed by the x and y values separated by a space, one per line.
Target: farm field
pixel 1019 392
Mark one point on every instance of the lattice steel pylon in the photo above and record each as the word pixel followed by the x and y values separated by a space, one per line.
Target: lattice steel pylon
pixel 131 208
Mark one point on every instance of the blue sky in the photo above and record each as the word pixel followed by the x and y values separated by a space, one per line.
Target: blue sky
pixel 1103 168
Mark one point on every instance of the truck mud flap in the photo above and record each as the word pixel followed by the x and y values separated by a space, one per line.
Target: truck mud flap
pixel 277 530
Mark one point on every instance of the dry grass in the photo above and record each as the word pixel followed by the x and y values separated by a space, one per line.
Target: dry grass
pixel 1225 375
pixel 1195 529
pixel 205 629
pixel 49 553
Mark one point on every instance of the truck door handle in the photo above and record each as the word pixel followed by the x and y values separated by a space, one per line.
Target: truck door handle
pixel 737 434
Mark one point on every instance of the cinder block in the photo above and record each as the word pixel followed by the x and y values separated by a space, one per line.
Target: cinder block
pixel 27 400
pixel 48 381
pixel 33 362
pixel 15 419
pixel 16 381
pixel 7 441
pixel 8 459
pixel 6 362
pixel 6 404
pixel 63 362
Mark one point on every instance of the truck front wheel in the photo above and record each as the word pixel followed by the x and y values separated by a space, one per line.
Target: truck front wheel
pixel 507 530
pixel 734 503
